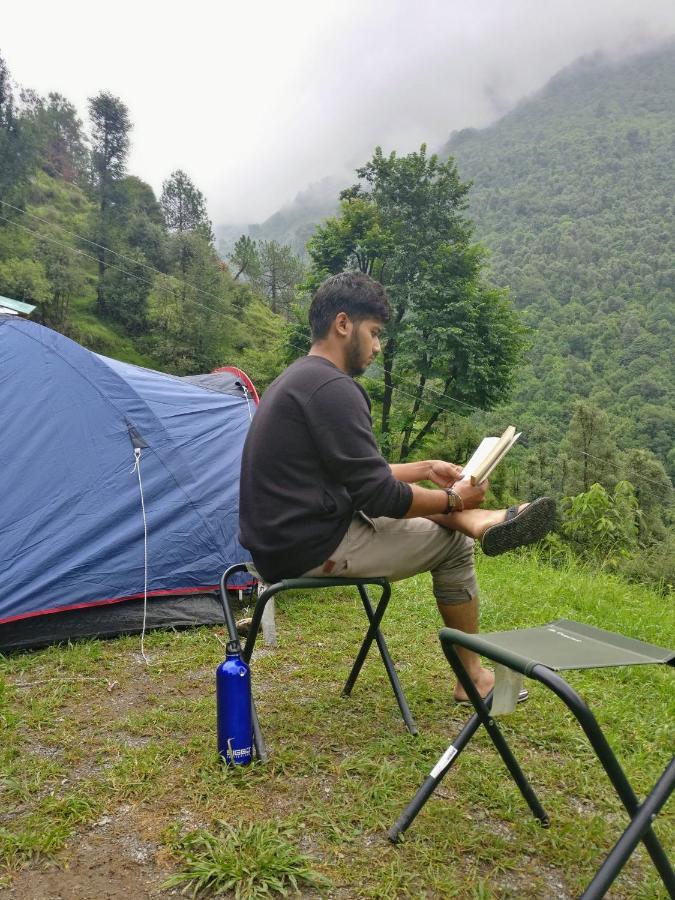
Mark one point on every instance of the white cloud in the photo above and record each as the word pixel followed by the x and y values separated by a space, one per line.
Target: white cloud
pixel 256 100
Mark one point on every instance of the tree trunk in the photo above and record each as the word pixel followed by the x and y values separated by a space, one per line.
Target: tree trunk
pixel 100 255
pixel 388 358
pixel 431 421
pixel 100 252
pixel 423 432
pixel 387 362
pixel 405 443
pixel 100 294
pixel 273 290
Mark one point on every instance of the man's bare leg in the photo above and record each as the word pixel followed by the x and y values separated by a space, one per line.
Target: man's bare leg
pixel 464 616
pixel 472 522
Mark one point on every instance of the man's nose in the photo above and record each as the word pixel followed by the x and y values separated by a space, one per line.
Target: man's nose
pixel 376 345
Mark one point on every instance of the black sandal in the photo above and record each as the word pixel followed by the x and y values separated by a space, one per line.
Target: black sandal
pixel 520 528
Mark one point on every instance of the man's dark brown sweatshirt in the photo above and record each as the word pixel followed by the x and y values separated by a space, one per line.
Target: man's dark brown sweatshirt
pixel 310 461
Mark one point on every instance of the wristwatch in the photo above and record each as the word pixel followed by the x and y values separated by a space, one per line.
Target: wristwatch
pixel 455 502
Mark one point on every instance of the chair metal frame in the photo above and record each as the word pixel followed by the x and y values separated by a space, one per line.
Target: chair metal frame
pixel 641 816
pixel 374 633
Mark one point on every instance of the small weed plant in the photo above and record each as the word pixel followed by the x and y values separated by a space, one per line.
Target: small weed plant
pixel 250 860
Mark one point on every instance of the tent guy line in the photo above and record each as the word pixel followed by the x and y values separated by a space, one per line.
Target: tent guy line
pixel 71 521
pixel 137 469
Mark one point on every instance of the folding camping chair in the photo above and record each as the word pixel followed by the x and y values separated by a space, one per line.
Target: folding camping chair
pixel 372 634
pixel 539 653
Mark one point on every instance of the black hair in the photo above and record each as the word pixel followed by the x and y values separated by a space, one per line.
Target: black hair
pixel 354 293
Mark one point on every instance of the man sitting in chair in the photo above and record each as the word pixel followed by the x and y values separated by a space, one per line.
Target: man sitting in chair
pixel 319 499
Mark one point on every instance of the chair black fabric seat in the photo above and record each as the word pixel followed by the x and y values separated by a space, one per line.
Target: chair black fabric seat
pixel 373 632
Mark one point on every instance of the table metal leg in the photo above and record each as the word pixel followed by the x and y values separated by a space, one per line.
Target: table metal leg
pixel 496 736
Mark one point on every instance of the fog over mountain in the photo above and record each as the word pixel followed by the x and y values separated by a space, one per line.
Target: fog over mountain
pixel 255 101
pixel 294 222
pixel 401 80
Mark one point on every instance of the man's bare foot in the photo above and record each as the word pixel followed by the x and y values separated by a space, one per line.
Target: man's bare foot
pixel 484 681
pixel 494 517
pixel 499 530
pixel 472 522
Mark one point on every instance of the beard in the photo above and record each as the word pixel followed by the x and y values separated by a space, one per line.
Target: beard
pixel 354 361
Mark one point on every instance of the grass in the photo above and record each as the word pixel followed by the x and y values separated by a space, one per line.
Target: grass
pixel 89 731
pixel 251 861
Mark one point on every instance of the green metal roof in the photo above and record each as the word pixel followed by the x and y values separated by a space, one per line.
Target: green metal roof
pixel 16 306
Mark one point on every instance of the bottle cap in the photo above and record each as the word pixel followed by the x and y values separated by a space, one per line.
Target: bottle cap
pixel 232 647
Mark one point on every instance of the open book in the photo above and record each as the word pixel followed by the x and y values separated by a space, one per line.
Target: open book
pixel 489 452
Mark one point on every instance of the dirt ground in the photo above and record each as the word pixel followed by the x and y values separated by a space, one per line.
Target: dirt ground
pixel 110 861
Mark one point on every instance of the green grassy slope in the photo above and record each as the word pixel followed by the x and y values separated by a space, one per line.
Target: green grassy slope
pixel 55 213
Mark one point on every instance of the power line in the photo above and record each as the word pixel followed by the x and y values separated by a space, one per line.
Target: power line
pixel 187 284
pixel 427 388
pixel 99 246
pixel 130 274
pixel 225 315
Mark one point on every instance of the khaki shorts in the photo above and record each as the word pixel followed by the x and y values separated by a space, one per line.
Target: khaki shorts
pixel 398 548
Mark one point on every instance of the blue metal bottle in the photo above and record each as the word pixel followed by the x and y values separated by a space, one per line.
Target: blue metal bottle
pixel 233 704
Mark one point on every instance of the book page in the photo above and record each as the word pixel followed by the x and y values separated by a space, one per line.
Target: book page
pixel 480 453
pixel 489 452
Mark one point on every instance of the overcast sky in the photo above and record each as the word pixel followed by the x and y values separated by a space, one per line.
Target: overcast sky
pixel 256 99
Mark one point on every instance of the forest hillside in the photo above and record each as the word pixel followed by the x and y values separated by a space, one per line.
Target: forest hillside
pixel 574 195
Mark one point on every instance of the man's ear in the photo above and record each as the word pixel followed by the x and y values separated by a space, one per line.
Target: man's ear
pixel 342 324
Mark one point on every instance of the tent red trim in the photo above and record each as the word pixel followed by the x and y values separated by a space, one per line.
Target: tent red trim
pixel 209 588
pixel 243 377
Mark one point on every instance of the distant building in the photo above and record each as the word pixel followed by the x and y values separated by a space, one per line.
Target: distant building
pixel 15 308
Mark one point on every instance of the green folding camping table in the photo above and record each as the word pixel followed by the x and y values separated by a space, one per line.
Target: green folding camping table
pixel 540 653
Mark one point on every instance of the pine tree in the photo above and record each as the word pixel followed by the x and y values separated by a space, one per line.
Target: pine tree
pixel 110 147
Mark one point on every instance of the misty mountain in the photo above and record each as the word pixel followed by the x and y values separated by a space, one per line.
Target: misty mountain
pixel 294 223
pixel 573 194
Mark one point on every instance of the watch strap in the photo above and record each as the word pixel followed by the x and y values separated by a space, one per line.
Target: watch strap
pixel 455 502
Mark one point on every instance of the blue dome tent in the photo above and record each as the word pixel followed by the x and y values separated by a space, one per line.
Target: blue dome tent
pixel 106 468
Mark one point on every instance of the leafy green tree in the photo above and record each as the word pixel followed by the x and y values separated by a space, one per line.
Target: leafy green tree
pixel 603 525
pixel 590 449
pixel 127 285
pixel 184 206
pixel 110 125
pixel 653 491
pixel 280 272
pixel 57 134
pixel 452 337
pixel 192 318
pixel 245 259
pixel 65 281
pixel 261 347
pixel 356 238
pixel 25 280
pixel 184 209
pixel 139 223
